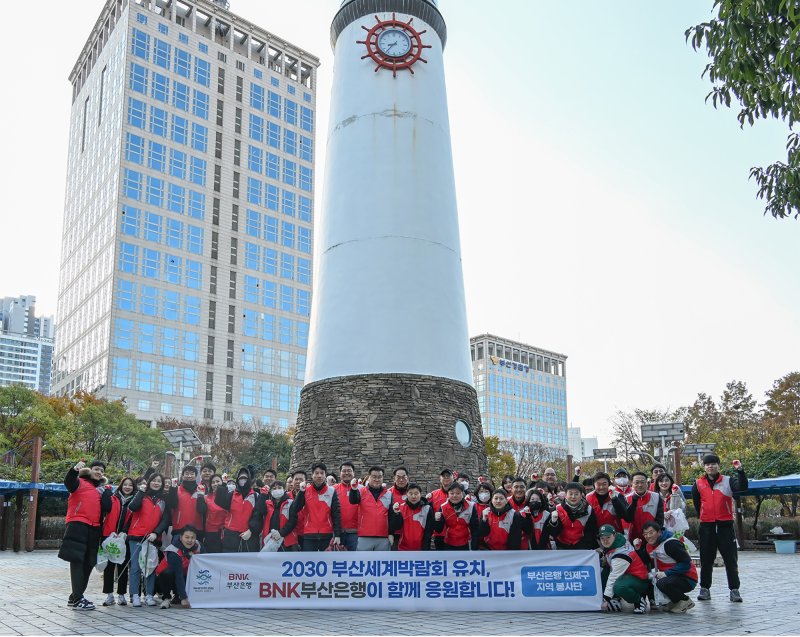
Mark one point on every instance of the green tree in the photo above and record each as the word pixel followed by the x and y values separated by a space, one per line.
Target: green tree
pixel 269 443
pixel 500 462
pixel 702 419
pixel 754 51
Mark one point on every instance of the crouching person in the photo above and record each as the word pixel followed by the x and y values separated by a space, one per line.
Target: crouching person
pixel 171 571
pixel 675 574
pixel 624 575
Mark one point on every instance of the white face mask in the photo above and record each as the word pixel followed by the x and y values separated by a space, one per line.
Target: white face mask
pixel 242 482
pixel 278 493
pixel 465 484
pixel 484 496
pixel 621 482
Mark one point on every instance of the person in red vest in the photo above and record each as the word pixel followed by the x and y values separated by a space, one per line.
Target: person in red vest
pixel 298 477
pixel 117 521
pixel 412 521
pixel 622 481
pixel 624 575
pixel 276 516
pixel 436 499
pixel 458 521
pixel 374 501
pixel 539 537
pixel 483 496
pixel 501 524
pixel 88 501
pixel 173 567
pixel 573 524
pixel 676 574
pixel 239 500
pixel 187 503
pixel 656 471
pixel 149 519
pixel 215 517
pixel 347 511
pixel 609 508
pixel 207 471
pixel 323 521
pixel 400 484
pixel 519 501
pixel 712 495
pixel 643 506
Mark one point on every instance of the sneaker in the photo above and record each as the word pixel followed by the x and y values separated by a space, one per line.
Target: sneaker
pixel 83 604
pixel 176 600
pixel 136 601
pixel 682 606
pixel 71 602
pixel 121 601
pixel 165 604
pixel 149 601
pixel 642 606
pixel 109 600
pixel 704 595
pixel 735 596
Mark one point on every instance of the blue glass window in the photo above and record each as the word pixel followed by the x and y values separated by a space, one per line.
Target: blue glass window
pixel 161 53
pixel 126 295
pixel 122 374
pixel 197 171
pixel 199 137
pixel 288 200
pixel 267 397
pixel 132 184
pixel 180 95
pixel 151 263
pixel 148 302
pixel 166 380
pixel 272 197
pixel 200 104
pixel 174 233
pixel 306 97
pixel 256 96
pixel 274 135
pixel 289 141
pixel 274 105
pixel 155 192
pixel 273 166
pixel 134 148
pixel 194 239
pixel 287 234
pixel 250 289
pixel 255 159
pixel 289 172
pixel 290 89
pixel 197 204
pixel 140 44
pixel 306 178
pixel 194 274
pixel 191 310
pixel 202 71
pixel 287 298
pixel 301 335
pixel 287 266
pixel 254 191
pixel 176 198
pixel 174 269
pixel 172 305
pixel 203 47
pixel 271 229
pixel 141 18
pixel 256 128
pixel 158 121
pixel 183 62
pixel 162 28
pixel 157 156
pixel 303 302
pixel 188 387
pixel 180 129
pixel 147 338
pixel 306 148
pixel 249 323
pixel 304 240
pixel 290 112
pixel 305 209
pixel 274 82
pixel 268 328
pixel 306 119
pixel 137 111
pixel 270 261
pixel 252 256
pixel 130 221
pixel 138 78
pixel 128 258
pixel 270 294
pixel 184 39
pixel 191 347
pixel 160 87
pixel 259 75
pixel 253 223
pixel 285 334
pixel 304 270
pixel 177 163
pixel 152 227
pixel 144 374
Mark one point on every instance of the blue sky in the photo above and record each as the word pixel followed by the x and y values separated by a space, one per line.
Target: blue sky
pixel 605 209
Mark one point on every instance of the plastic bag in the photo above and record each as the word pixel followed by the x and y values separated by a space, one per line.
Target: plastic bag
pixel 115 548
pixel 658 597
pixel 677 522
pixel 102 559
pixel 336 547
pixel 148 558
pixel 271 545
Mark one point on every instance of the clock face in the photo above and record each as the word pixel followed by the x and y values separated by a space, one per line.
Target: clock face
pixel 394 43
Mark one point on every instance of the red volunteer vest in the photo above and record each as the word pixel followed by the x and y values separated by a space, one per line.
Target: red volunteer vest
pixel 112 523
pixel 397 497
pixel 347 511
pixel 538 524
pixel 238 517
pixel 291 538
pixel 716 505
pixel 571 530
pixel 525 542
pixel 163 564
pixel 437 499
pixel 499 527
pixel 456 525
pixel 373 515
pixel 664 562
pixel 83 504
pixel 413 530
pixel 605 514
pixel 318 518
pixel 646 510
pixel 146 519
pixel 637 567
pixel 186 513
pixel 215 514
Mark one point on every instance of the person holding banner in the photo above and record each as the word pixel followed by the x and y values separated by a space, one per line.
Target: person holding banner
pixel 457 521
pixel 171 571
pixel 675 573
pixel 374 501
pixel 117 521
pixel 323 522
pixel 624 575
pixel 609 508
pixel 239 500
pixel 149 519
pixel 501 524
pixel 437 498
pixel 412 521
pixel 215 516
pixel 538 535
pixel 276 516
pixel 573 525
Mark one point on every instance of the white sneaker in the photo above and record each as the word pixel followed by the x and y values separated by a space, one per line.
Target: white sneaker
pixel 109 600
pixel 149 601
pixel 165 604
pixel 136 601
pixel 121 601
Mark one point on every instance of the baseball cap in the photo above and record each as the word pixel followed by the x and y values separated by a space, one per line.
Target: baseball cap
pixel 607 529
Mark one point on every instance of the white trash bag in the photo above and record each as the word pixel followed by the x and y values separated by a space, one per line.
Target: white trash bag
pixel 115 548
pixel 271 545
pixel 102 559
pixel 148 559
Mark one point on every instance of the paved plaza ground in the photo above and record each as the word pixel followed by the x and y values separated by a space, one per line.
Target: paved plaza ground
pixel 34 588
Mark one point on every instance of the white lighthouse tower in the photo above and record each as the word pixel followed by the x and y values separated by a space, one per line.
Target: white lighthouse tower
pixel 389 377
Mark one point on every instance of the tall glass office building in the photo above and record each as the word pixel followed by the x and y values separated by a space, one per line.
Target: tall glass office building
pixel 185 281
pixel 522 391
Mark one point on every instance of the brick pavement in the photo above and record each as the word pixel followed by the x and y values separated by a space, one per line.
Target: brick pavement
pixel 34 588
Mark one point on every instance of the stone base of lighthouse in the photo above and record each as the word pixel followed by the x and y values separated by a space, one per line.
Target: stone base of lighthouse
pixel 390 420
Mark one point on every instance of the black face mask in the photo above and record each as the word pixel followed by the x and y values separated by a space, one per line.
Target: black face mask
pixel 535 505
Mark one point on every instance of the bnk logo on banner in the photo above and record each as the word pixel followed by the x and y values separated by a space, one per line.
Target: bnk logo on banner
pixel 513 580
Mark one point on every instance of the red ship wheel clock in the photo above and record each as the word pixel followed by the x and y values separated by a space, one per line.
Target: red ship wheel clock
pixel 394 45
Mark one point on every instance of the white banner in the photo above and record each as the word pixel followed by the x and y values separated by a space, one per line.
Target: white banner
pixel 398 581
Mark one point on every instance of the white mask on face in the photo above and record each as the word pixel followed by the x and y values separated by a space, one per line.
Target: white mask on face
pixel 484 496
pixel 621 481
pixel 465 484
pixel 242 482
pixel 278 493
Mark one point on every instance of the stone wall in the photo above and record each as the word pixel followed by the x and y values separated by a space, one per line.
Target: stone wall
pixel 389 420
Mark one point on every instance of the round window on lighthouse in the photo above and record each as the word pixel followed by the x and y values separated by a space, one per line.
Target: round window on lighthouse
pixel 463 433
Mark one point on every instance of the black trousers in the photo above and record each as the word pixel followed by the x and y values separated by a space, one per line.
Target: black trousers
pixel 718 536
pixel 438 542
pixel 213 542
pixel 316 545
pixel 80 572
pixel 233 543
pixel 121 571
pixel 675 587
